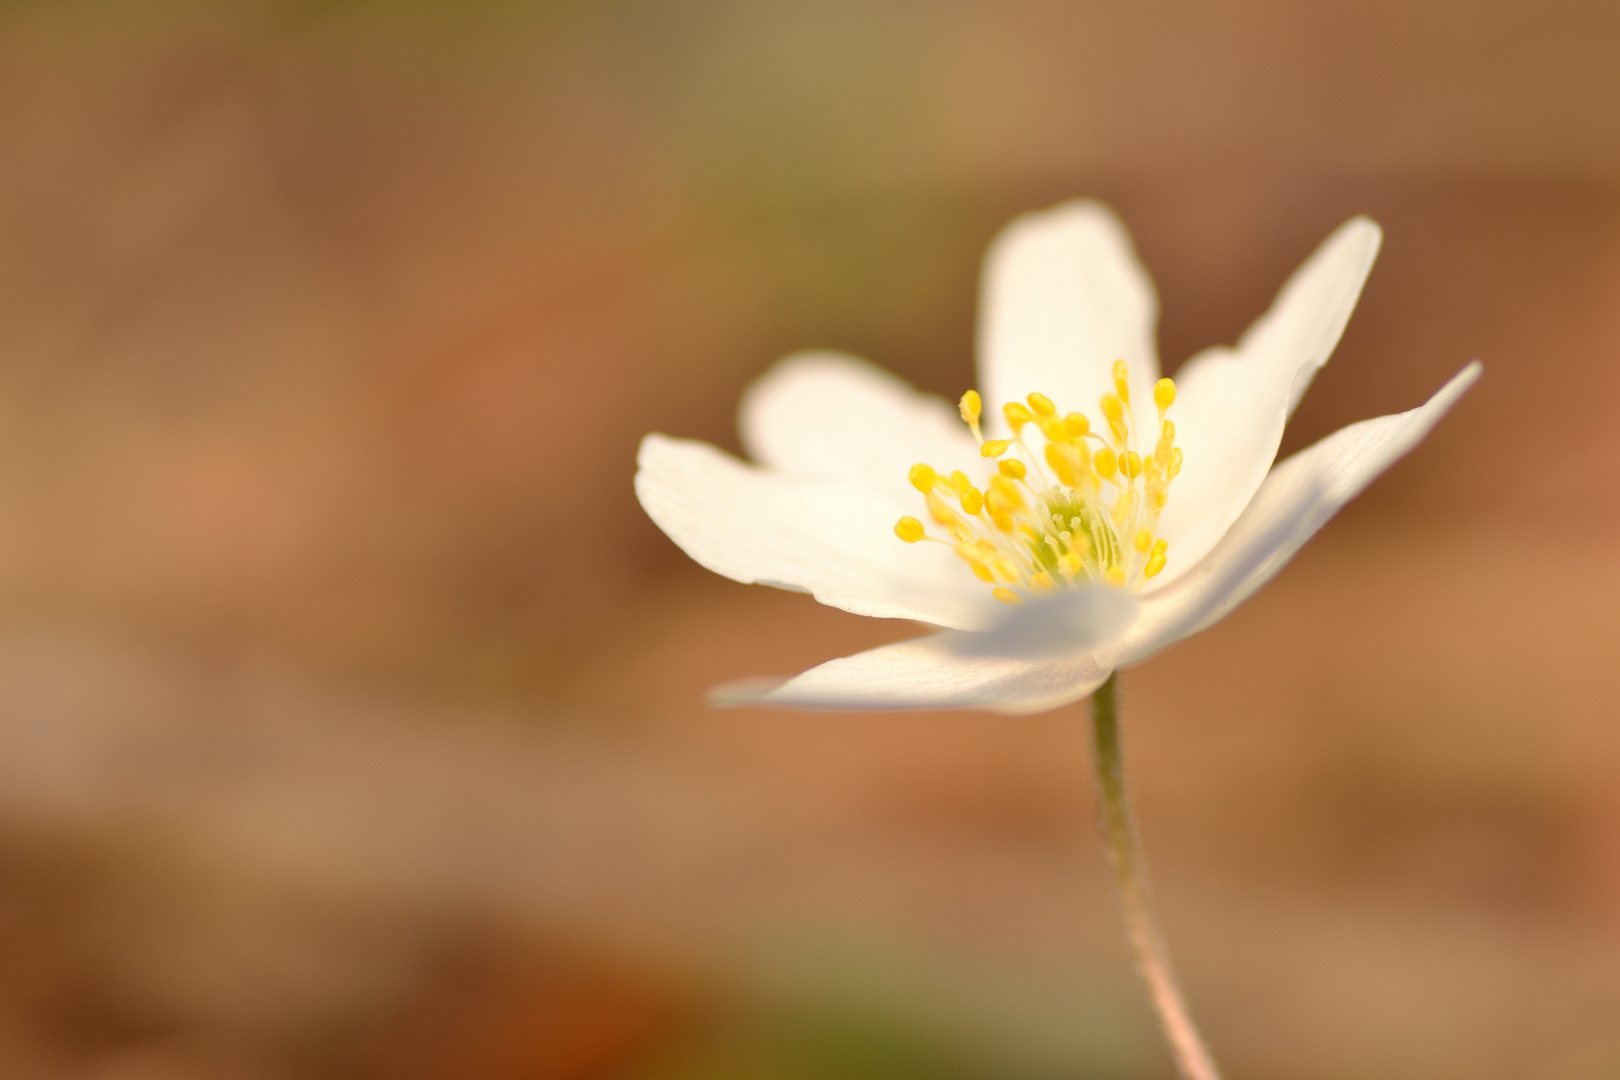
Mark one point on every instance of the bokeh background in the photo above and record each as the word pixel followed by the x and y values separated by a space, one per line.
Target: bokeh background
pixel 351 720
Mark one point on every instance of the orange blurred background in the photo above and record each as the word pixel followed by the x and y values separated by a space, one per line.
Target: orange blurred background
pixel 351 721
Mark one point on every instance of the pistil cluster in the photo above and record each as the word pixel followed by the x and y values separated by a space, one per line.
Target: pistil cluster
pixel 1083 510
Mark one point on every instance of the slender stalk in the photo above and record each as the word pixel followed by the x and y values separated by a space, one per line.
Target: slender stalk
pixel 1186 1045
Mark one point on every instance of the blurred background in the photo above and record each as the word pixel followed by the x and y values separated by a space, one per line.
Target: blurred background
pixel 351 721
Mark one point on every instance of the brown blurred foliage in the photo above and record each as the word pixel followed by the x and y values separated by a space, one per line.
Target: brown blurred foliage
pixel 351 719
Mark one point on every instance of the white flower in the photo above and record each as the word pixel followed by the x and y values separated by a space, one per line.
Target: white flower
pixel 1107 533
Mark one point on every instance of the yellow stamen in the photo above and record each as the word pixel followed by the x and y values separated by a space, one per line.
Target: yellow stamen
pixel 1167 440
pixel 972 406
pixel 1125 507
pixel 1065 462
pixel 1004 492
pixel 1156 560
pixel 1104 460
pixel 1091 516
pixel 1164 394
pixel 942 513
pixel 1113 407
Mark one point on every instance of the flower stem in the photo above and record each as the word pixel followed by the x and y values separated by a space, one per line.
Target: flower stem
pixel 1186 1045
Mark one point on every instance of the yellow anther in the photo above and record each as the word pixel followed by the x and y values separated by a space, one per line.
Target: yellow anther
pixel 1065 461
pixel 1167 441
pixel 1021 539
pixel 1105 461
pixel 1156 560
pixel 1164 393
pixel 942 512
pixel 1113 407
pixel 1125 507
pixel 1004 494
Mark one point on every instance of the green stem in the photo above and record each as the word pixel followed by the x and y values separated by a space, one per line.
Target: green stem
pixel 1186 1045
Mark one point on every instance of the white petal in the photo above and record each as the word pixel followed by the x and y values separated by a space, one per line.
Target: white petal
pixel 1063 298
pixel 1231 404
pixel 828 416
pixel 833 541
pixel 926 673
pixel 1299 496
pixel 1070 622
pixel 1297 499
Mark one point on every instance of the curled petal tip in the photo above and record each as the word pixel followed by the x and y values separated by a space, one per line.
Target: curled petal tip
pixel 742 692
pixel 1459 384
